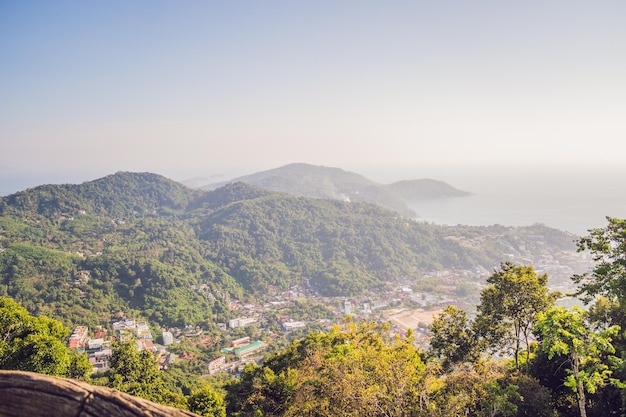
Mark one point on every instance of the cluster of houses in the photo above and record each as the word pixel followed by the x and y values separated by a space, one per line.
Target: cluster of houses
pixel 99 350
pixel 244 349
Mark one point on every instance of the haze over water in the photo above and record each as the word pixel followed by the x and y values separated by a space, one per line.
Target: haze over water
pixel 571 200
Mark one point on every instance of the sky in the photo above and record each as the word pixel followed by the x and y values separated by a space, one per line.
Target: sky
pixel 227 88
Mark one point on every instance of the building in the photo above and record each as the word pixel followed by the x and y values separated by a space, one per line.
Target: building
pixel 78 338
pixel 366 309
pixel 99 352
pixel 168 338
pixel 240 342
pixel 166 360
pixel 143 331
pixel 241 322
pixel 216 364
pixel 95 345
pixel 347 307
pixel 124 324
pixel 249 349
pixel 145 344
pixel 100 334
pixel 291 325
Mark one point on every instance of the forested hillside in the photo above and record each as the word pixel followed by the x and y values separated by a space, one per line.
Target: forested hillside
pixel 141 242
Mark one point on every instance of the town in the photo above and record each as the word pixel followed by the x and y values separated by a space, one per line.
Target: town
pixel 262 328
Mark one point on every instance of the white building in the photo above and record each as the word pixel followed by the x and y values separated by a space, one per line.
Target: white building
pixel 347 307
pixel 168 338
pixel 95 344
pixel 124 324
pixel 291 325
pixel 241 322
pixel 216 364
pixel 143 331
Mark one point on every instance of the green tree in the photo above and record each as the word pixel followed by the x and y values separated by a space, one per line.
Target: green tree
pixel 356 372
pixel 478 389
pixel 605 284
pixel 138 374
pixel 37 344
pixel 565 332
pixel 452 339
pixel 207 402
pixel 80 367
pixel 508 307
pixel 608 249
pixel 533 399
pixel 500 400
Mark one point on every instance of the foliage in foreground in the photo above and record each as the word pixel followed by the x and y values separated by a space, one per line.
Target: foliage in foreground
pixel 361 370
pixel 37 344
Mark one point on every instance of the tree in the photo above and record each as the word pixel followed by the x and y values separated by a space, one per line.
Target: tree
pixel 452 338
pixel 478 389
pixel 565 332
pixel 80 367
pixel 605 284
pixel 608 249
pixel 356 372
pixel 500 399
pixel 534 399
pixel 206 402
pixel 137 373
pixel 37 344
pixel 508 307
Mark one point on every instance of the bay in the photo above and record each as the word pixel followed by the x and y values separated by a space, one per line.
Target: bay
pixel 574 202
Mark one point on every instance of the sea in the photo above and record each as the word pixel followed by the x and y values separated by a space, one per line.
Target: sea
pixel 574 199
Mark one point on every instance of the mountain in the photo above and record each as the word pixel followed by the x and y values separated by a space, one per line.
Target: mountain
pixel 121 194
pixel 306 180
pixel 146 245
pixel 424 188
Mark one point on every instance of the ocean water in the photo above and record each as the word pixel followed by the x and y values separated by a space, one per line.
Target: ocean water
pixel 570 215
pixel 573 201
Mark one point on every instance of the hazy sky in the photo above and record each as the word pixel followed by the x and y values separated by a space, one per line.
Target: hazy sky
pixel 187 88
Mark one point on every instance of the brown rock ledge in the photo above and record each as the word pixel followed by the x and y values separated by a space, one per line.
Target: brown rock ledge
pixel 36 395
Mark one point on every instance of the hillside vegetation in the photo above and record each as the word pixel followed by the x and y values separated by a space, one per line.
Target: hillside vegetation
pixel 141 242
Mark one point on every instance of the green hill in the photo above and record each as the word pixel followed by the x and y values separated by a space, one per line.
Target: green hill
pixel 145 244
pixel 121 194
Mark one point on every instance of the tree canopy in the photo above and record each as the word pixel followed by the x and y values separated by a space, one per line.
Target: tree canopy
pixel 607 246
pixel 37 344
pixel 508 307
pixel 565 332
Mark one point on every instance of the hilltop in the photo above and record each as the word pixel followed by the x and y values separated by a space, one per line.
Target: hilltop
pixel 424 188
pixel 305 180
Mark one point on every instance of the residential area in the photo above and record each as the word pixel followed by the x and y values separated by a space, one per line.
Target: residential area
pixel 259 329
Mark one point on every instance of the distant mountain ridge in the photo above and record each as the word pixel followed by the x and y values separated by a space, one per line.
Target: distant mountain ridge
pixel 305 180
